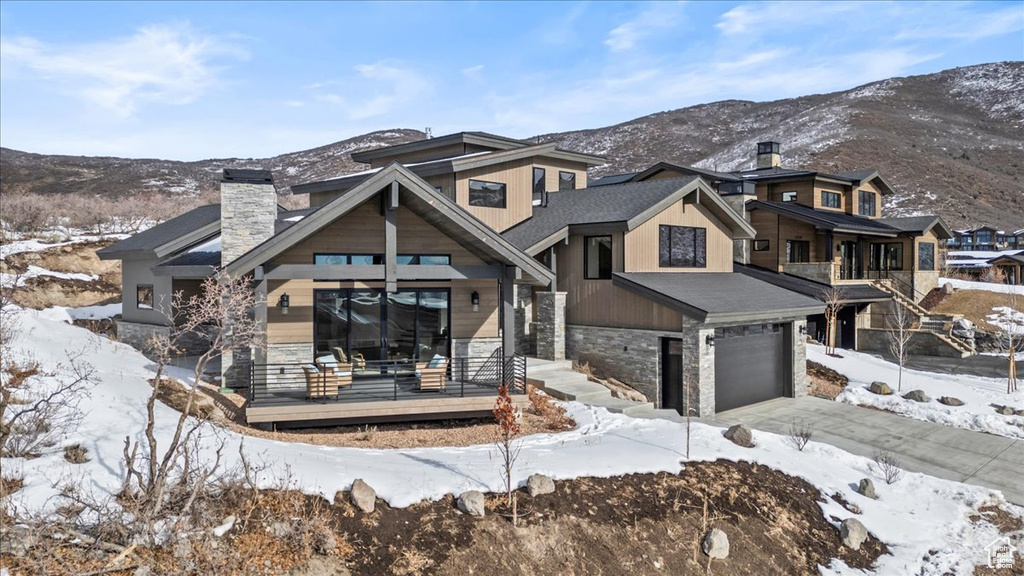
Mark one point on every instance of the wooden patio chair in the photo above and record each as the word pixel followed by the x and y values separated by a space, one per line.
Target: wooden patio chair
pixel 323 379
pixel 432 375
pixel 357 360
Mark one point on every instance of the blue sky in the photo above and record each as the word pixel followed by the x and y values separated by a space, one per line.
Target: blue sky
pixel 201 80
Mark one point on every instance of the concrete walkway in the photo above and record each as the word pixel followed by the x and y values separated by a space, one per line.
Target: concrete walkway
pixel 942 451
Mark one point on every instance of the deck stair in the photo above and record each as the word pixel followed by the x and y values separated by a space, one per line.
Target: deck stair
pixel 941 325
pixel 558 379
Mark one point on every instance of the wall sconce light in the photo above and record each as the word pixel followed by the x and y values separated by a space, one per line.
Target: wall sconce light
pixel 475 299
pixel 710 340
pixel 283 303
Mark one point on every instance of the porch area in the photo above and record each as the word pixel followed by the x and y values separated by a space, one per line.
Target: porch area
pixel 381 391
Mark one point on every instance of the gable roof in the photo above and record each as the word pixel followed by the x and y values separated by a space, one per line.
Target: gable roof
pixel 920 224
pixel 610 179
pixel 476 138
pixel 709 175
pixel 718 296
pixel 627 205
pixel 167 237
pixel 418 196
pixel 853 293
pixel 826 219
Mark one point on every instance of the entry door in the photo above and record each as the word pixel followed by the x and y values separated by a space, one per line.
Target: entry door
pixel 672 374
pixel 848 259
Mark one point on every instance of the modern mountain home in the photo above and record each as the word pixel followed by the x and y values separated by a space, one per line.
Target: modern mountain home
pixel 986 239
pixel 410 290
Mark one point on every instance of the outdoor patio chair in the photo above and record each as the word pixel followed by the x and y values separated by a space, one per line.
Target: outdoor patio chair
pixel 357 359
pixel 432 375
pixel 325 377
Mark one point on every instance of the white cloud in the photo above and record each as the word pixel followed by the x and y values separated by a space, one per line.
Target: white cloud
pixel 764 18
pixel 377 89
pixel 167 64
pixel 954 22
pixel 473 72
pixel 657 18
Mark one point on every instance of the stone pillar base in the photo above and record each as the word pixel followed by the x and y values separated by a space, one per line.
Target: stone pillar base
pixel 550 337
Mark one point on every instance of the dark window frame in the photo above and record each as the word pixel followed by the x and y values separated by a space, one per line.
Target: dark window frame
pixel 139 300
pixel 931 256
pixel 792 199
pixel 834 199
pixel 539 186
pixel 672 234
pixel 479 203
pixel 415 259
pixel 762 245
pixel 866 199
pixel 601 274
pixel 562 180
pixel 805 251
pixel 880 252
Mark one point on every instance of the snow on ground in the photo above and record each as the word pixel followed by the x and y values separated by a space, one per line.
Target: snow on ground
pixel 977 393
pixel 37 245
pixel 63 314
pixel 984 286
pixel 36 271
pixel 918 517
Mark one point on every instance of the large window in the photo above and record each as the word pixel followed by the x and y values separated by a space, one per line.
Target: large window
pixel 424 259
pixel 926 256
pixel 867 203
pixel 144 296
pixel 486 194
pixel 888 256
pixel 347 259
pixel 539 185
pixel 831 199
pixel 798 251
pixel 566 181
pixel 761 245
pixel 789 196
pixel 682 247
pixel 597 257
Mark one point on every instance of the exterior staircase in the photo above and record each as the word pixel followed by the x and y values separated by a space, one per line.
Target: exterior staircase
pixel 558 379
pixel 940 325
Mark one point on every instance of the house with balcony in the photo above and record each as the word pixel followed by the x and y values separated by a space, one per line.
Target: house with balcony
pixel 410 290
pixel 985 239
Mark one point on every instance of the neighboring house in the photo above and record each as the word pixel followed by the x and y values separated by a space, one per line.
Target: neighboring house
pixel 464 248
pixel 985 239
pixel 981 264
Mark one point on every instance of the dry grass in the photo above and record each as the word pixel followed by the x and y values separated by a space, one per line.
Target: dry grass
pixel 76 454
pixel 554 415
pixel 974 305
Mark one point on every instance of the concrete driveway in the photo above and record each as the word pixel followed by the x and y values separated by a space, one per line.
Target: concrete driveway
pixel 952 453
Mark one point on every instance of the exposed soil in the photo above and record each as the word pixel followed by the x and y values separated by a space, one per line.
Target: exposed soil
pixel 46 291
pixel 933 299
pixel 1010 526
pixel 825 382
pixel 975 305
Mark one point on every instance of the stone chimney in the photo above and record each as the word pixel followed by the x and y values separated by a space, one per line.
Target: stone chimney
pixel 248 210
pixel 769 154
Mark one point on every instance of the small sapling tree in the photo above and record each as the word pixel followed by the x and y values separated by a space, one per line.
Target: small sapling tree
pixel 834 297
pixel 508 417
pixel 1010 321
pixel 899 325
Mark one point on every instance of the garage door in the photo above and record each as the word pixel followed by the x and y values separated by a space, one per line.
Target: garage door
pixel 750 365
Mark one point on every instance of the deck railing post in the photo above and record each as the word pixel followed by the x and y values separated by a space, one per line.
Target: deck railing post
pixel 394 379
pixel 252 383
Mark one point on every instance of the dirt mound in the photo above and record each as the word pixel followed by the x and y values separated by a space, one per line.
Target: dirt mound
pixel 825 382
pixel 45 291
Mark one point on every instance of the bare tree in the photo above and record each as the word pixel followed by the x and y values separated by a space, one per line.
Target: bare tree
pixel 834 297
pixel 223 312
pixel 899 324
pixel 1010 321
pixel 508 417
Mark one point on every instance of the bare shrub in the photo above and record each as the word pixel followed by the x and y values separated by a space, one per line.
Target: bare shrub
pixel 889 464
pixel 555 417
pixel 26 213
pixel 367 434
pixel 995 275
pixel 800 434
pixel 76 454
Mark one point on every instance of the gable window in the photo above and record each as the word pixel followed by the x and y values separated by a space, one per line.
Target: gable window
pixel 887 256
pixel 682 247
pixel 347 259
pixel 926 256
pixel 789 196
pixel 144 296
pixel 566 181
pixel 798 251
pixel 760 245
pixel 486 194
pixel 597 257
pixel 830 199
pixel 867 203
pixel 539 184
pixel 424 259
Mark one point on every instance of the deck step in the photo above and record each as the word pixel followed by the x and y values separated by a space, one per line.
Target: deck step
pixel 620 406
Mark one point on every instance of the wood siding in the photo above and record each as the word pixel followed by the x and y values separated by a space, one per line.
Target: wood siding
pixel 642 243
pixel 517 176
pixel 820 187
pixel 853 202
pixel 776 230
pixel 772 191
pixel 553 167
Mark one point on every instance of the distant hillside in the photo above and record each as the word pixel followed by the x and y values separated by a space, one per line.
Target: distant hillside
pixel 951 143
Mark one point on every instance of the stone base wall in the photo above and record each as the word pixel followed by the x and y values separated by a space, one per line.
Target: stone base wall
pixel 921 343
pixel 138 335
pixel 301 353
pixel 550 325
pixel 631 356
pixel 474 347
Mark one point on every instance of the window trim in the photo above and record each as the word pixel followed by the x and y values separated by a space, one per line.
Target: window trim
pixel 861 200
pixel 152 297
pixel 504 193
pixel 561 180
pixel 697 261
pixel 538 195
pixel 833 195
pixel 586 259
pixel 764 243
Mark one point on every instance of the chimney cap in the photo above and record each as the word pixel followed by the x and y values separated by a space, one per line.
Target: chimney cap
pixel 248 176
pixel 768 147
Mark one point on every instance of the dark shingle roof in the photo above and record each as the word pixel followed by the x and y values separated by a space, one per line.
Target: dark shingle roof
pixel 853 292
pixel 825 219
pixel 611 179
pixel 857 175
pixel 711 296
pixel 919 224
pixel 194 259
pixel 165 232
pixel 614 203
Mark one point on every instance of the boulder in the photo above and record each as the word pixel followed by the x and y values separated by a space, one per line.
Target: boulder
pixel 472 503
pixel 1018 412
pixel 538 484
pixel 853 533
pixel 880 388
pixel 951 401
pixel 362 496
pixel 867 488
pixel 16 541
pixel 963 328
pixel 917 396
pixel 225 526
pixel 1004 410
pixel 947 288
pixel 716 544
pixel 740 435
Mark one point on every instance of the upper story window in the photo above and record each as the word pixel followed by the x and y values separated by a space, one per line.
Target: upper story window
pixel 566 181
pixel 886 256
pixel 539 185
pixel 597 257
pixel 983 237
pixel 831 199
pixel 144 296
pixel 347 259
pixel 867 203
pixel 798 251
pixel 682 247
pixel 789 196
pixel 424 259
pixel 486 194
pixel 926 256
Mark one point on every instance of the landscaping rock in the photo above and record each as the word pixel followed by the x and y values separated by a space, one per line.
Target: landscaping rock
pixel 280 529
pixel 880 388
pixel 716 544
pixel 472 503
pixel 1018 412
pixel 947 288
pixel 16 541
pixel 362 496
pixel 853 533
pixel 951 401
pixel 917 396
pixel 225 526
pixel 867 488
pixel 740 435
pixel 1004 410
pixel 539 484
pixel 963 328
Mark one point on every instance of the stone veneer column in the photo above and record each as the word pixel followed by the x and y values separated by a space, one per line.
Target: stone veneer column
pixel 699 367
pixel 551 325
pixel 800 382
